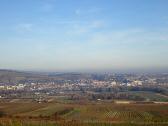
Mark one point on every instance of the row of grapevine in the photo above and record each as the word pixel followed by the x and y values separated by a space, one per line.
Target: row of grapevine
pixel 127 116
pixel 72 123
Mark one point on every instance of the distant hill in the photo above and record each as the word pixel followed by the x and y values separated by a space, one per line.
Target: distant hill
pixel 13 77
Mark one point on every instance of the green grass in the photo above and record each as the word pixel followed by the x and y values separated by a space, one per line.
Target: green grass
pixel 149 95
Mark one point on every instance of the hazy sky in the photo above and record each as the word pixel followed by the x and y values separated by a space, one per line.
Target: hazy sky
pixel 81 35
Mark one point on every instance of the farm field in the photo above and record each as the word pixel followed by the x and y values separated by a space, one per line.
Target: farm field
pixel 147 95
pixel 83 114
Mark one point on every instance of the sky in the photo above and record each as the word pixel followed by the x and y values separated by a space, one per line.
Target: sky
pixel 84 35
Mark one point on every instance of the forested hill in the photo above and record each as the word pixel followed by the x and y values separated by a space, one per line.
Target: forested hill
pixel 13 77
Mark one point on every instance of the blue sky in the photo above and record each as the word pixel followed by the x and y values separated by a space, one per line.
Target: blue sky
pixel 83 35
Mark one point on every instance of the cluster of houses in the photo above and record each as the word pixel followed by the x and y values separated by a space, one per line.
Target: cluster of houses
pixel 12 87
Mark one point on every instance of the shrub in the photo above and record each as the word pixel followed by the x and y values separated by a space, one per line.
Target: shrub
pixel 2 114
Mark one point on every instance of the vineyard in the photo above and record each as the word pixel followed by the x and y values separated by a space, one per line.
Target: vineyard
pixel 128 115
pixel 88 114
